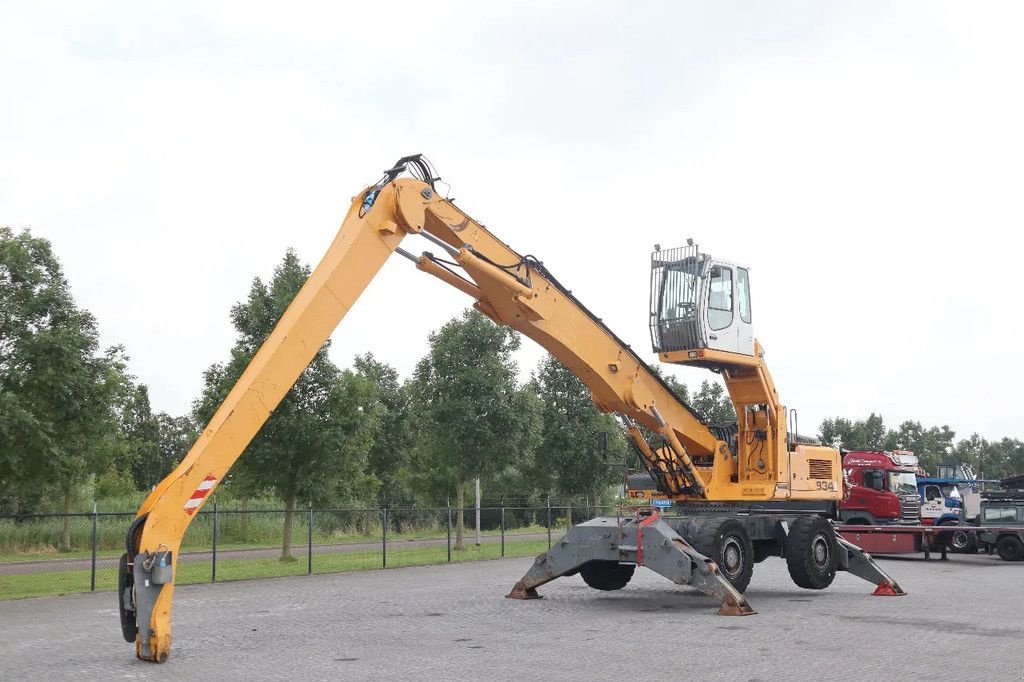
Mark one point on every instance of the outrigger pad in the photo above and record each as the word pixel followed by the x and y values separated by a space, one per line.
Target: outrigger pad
pixel 643 541
pixel 858 562
pixel 888 590
pixel 520 592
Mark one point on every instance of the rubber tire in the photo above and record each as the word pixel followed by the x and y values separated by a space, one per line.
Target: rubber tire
pixel 807 568
pixel 764 549
pixel 129 628
pixel 1010 548
pixel 967 546
pixel 606 575
pixel 715 537
pixel 945 539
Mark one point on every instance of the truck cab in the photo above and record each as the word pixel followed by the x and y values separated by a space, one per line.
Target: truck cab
pixel 941 501
pixel 880 488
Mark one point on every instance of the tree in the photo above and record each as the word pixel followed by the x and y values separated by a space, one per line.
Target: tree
pixel 176 437
pixel 867 434
pixel 470 414
pixel 313 447
pixel 712 403
pixel 933 446
pixel 1013 451
pixel 973 452
pixel 142 439
pixel 568 462
pixel 391 448
pixel 57 390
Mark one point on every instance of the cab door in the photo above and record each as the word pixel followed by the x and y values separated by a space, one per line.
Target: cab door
pixel 727 320
pixel 744 327
pixel 721 317
pixel 933 504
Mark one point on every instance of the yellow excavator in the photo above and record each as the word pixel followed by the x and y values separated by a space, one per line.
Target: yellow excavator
pixel 739 494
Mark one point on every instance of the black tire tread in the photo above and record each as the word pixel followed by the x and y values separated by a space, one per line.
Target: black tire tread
pixel 606 575
pixel 707 540
pixel 1010 548
pixel 128 626
pixel 798 553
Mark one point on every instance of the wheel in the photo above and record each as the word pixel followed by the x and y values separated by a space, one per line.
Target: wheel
pixel 962 542
pixel 1010 548
pixel 764 549
pixel 124 584
pixel 946 539
pixel 811 553
pixel 727 543
pixel 606 575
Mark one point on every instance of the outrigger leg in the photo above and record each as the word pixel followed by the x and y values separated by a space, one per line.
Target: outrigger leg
pixel 858 562
pixel 642 541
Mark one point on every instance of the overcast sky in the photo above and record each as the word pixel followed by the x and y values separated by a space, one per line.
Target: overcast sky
pixel 863 158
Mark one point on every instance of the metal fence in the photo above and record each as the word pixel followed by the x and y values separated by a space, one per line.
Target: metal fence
pixel 50 554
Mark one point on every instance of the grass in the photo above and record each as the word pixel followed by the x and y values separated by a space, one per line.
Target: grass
pixel 70 582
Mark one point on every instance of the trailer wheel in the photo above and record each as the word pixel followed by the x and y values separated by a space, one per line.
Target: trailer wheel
pixel 962 542
pixel 811 553
pixel 727 543
pixel 1010 548
pixel 606 575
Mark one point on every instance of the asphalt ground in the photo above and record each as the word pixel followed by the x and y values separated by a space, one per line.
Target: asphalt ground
pixel 962 619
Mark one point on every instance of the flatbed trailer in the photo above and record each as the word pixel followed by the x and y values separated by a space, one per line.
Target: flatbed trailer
pixel 906 539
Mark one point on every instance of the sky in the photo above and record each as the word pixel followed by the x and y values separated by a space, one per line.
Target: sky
pixel 864 159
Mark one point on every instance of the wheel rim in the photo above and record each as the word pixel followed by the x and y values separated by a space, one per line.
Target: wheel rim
pixel 820 551
pixel 960 540
pixel 732 556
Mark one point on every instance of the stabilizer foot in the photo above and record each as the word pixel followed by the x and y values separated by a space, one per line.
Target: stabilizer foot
pixel 888 590
pixel 732 609
pixel 520 591
pixel 861 564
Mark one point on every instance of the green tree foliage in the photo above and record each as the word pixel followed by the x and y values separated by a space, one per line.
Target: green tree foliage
pixel 58 391
pixel 470 412
pixel 314 446
pixel 389 456
pixel 142 439
pixel 865 434
pixel 933 445
pixel 713 404
pixel 568 463
pixel 177 435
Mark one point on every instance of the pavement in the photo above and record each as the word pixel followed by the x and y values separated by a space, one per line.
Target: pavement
pixel 962 619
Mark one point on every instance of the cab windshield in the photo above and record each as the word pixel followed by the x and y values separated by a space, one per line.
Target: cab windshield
pixel 903 483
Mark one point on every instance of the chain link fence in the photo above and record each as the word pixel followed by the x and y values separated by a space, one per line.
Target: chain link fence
pixel 52 554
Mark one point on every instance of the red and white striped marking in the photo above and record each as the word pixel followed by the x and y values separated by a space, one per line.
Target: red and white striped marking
pixel 200 494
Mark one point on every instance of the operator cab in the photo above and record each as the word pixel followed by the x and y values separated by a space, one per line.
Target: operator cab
pixel 698 302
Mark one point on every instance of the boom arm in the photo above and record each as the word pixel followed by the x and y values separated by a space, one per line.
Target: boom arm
pixel 510 289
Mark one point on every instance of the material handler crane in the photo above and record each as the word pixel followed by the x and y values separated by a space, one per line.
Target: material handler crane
pixel 741 493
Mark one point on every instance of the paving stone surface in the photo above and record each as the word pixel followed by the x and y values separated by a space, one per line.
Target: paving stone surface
pixel 962 619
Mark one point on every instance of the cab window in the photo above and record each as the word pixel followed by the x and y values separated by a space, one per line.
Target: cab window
pixel 720 298
pixel 932 493
pixel 1000 513
pixel 873 479
pixel 743 293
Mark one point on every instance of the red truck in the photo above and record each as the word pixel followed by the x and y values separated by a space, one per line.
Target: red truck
pixel 879 489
